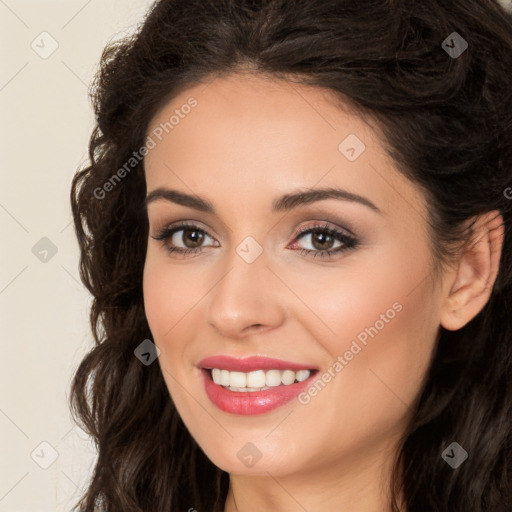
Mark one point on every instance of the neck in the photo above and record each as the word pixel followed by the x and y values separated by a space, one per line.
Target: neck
pixel 353 486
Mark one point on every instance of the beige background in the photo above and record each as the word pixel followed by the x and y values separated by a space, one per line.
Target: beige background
pixel 45 124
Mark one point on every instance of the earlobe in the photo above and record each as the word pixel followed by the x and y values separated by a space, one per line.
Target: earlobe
pixel 475 273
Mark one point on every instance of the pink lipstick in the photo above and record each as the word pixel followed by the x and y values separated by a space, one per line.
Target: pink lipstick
pixel 254 401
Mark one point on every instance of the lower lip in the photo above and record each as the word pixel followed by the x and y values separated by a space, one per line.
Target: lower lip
pixel 252 402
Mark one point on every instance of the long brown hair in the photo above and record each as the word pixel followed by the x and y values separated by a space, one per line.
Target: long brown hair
pixel 447 121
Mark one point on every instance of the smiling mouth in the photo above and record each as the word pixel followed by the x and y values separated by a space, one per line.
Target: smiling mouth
pixel 257 380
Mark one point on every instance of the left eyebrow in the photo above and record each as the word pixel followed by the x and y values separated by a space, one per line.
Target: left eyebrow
pixel 295 199
pixel 283 203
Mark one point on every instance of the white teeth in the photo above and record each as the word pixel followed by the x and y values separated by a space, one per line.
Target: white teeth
pixel 224 377
pixel 257 380
pixel 237 379
pixel 302 375
pixel 288 377
pixel 273 378
pixel 216 375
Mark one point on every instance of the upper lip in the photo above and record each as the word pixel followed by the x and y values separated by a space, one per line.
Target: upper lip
pixel 249 364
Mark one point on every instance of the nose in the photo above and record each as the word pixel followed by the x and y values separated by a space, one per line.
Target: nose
pixel 246 299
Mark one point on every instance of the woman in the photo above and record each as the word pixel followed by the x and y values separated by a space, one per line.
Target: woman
pixel 296 227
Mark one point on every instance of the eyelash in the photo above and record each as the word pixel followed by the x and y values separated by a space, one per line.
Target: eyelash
pixel 349 241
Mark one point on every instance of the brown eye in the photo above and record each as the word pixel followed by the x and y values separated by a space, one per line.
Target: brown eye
pixel 194 236
pixel 322 240
pixel 191 238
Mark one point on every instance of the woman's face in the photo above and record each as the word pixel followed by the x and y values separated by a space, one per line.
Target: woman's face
pixel 365 317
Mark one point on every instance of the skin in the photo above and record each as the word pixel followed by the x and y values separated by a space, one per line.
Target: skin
pixel 248 141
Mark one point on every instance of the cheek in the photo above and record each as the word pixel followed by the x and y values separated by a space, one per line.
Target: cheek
pixel 168 294
pixel 383 301
pixel 167 300
pixel 382 325
pixel 156 298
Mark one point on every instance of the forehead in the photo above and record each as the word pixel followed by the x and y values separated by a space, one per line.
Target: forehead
pixel 256 135
pixel 256 115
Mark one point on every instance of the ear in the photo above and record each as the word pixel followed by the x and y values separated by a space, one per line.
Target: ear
pixel 469 285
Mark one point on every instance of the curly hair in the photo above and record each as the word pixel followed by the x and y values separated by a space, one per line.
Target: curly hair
pixel 447 124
